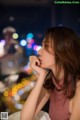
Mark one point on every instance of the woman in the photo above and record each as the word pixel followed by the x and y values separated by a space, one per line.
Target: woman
pixel 58 68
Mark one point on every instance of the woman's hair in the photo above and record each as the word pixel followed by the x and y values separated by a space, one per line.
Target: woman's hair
pixel 66 46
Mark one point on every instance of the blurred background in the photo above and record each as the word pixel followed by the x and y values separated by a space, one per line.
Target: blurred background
pixel 22 27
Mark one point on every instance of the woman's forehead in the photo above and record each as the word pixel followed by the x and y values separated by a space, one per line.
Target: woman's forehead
pixel 46 41
pixel 49 42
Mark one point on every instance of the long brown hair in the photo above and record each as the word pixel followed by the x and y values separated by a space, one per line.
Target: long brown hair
pixel 66 45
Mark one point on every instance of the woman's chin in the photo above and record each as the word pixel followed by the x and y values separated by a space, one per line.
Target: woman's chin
pixel 43 66
pixel 46 67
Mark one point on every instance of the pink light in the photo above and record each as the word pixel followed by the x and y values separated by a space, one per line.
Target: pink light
pixel 29 46
pixel 38 48
pixel 2 42
pixel 30 41
pixel 35 47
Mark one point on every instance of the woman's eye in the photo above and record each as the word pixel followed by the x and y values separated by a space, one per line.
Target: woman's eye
pixel 46 45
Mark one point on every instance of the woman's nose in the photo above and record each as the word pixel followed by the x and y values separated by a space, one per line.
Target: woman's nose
pixel 39 52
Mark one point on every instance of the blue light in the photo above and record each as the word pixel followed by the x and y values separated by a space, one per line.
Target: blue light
pixel 29 36
pixel 23 42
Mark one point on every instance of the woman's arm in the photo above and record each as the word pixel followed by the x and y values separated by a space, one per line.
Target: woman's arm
pixel 43 98
pixel 32 105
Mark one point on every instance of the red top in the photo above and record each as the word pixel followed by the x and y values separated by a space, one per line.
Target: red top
pixel 59 104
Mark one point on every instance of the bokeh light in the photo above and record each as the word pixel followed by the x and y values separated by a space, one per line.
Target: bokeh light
pixel 29 35
pixel 15 36
pixel 39 47
pixel 29 46
pixel 23 42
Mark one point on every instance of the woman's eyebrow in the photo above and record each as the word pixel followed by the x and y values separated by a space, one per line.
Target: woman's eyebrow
pixel 45 42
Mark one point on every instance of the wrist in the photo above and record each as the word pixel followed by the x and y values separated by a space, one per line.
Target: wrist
pixel 42 77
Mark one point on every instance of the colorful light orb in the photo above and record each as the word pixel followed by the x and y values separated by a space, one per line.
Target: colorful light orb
pixel 29 35
pixel 30 41
pixel 39 47
pixel 6 93
pixel 15 35
pixel 23 42
pixel 18 106
pixel 35 47
pixel 17 97
pixel 2 42
pixel 20 92
pixel 29 46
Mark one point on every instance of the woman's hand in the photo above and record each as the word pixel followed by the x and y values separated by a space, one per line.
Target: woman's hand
pixel 35 65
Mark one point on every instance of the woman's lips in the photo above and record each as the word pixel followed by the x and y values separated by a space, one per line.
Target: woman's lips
pixel 39 59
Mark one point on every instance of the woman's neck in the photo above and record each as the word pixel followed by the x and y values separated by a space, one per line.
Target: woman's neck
pixel 60 75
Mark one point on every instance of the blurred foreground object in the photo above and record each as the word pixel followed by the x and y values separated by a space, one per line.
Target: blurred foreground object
pixel 11 58
pixel 14 97
pixel 40 116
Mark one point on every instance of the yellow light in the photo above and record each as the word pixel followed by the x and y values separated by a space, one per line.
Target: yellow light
pixel 6 93
pixel 14 89
pixel 23 83
pixel 15 36
pixel 13 93
pixel 20 86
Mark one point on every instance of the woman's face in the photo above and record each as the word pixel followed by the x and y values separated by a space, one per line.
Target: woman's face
pixel 47 59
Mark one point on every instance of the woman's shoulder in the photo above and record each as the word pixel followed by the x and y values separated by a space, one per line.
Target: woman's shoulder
pixel 75 112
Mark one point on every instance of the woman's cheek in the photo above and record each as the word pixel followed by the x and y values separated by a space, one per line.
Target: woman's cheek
pixel 42 65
